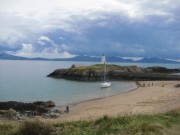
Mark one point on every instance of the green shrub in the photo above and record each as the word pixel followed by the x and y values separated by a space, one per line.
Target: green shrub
pixel 6 128
pixel 11 113
pixel 36 128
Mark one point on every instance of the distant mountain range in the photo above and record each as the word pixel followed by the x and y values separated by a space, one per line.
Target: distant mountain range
pixel 6 56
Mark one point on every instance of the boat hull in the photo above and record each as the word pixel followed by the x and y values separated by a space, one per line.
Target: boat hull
pixel 105 84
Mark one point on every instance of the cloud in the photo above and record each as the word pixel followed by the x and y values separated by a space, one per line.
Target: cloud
pixel 92 26
pixel 26 51
pixel 29 51
pixel 54 53
pixel 41 43
pixel 57 14
pixel 65 47
pixel 124 49
pixel 44 38
pixel 61 38
pixel 133 58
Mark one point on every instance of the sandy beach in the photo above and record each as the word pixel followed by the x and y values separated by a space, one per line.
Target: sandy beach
pixel 159 97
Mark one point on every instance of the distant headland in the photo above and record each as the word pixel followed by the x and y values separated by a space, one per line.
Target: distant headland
pixel 5 56
pixel 115 72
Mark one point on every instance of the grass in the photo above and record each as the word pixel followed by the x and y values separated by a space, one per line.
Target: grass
pixel 97 67
pixel 126 125
pixel 156 124
pixel 35 128
pixel 8 128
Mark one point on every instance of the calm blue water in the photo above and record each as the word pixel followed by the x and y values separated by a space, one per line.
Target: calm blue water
pixel 26 81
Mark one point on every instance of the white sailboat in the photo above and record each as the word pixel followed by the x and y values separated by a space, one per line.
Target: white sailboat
pixel 105 83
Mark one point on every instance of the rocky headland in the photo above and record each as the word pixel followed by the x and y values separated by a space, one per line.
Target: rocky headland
pixel 115 72
pixel 19 110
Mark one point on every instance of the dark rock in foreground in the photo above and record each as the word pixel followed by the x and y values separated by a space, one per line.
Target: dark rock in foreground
pixel 177 85
pixel 38 107
pixel 115 72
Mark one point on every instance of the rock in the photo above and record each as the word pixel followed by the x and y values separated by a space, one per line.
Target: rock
pixel 73 66
pixel 37 108
pixel 115 72
pixel 11 113
pixel 177 86
pixel 45 104
pixel 163 70
pixel 57 111
pixel 2 112
pixel 49 104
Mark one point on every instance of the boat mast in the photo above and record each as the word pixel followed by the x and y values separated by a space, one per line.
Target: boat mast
pixel 104 62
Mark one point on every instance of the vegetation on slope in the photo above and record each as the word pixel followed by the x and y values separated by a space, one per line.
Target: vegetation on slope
pixel 110 67
pixel 132 68
pixel 126 125
pixel 115 72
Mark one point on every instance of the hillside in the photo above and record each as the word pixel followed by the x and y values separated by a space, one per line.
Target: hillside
pixel 5 56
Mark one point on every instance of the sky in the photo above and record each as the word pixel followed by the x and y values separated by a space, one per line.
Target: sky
pixel 66 28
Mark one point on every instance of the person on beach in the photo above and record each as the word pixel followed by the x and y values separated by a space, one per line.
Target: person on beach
pixel 67 109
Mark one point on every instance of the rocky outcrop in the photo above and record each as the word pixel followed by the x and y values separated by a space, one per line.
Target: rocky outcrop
pixel 38 107
pixel 95 72
pixel 88 75
pixel 142 76
pixel 163 70
pixel 177 86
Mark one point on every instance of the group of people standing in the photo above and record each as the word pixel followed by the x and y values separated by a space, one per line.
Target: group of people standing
pixel 149 84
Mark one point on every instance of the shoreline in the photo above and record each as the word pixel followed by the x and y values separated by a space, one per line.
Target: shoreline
pixel 155 97
pixel 99 98
pixel 160 97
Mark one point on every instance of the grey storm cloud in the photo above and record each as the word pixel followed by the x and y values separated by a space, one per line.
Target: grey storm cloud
pixel 118 27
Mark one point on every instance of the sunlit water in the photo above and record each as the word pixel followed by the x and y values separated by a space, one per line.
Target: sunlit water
pixel 26 81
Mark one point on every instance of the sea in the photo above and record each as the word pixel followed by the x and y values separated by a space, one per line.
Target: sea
pixel 27 81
